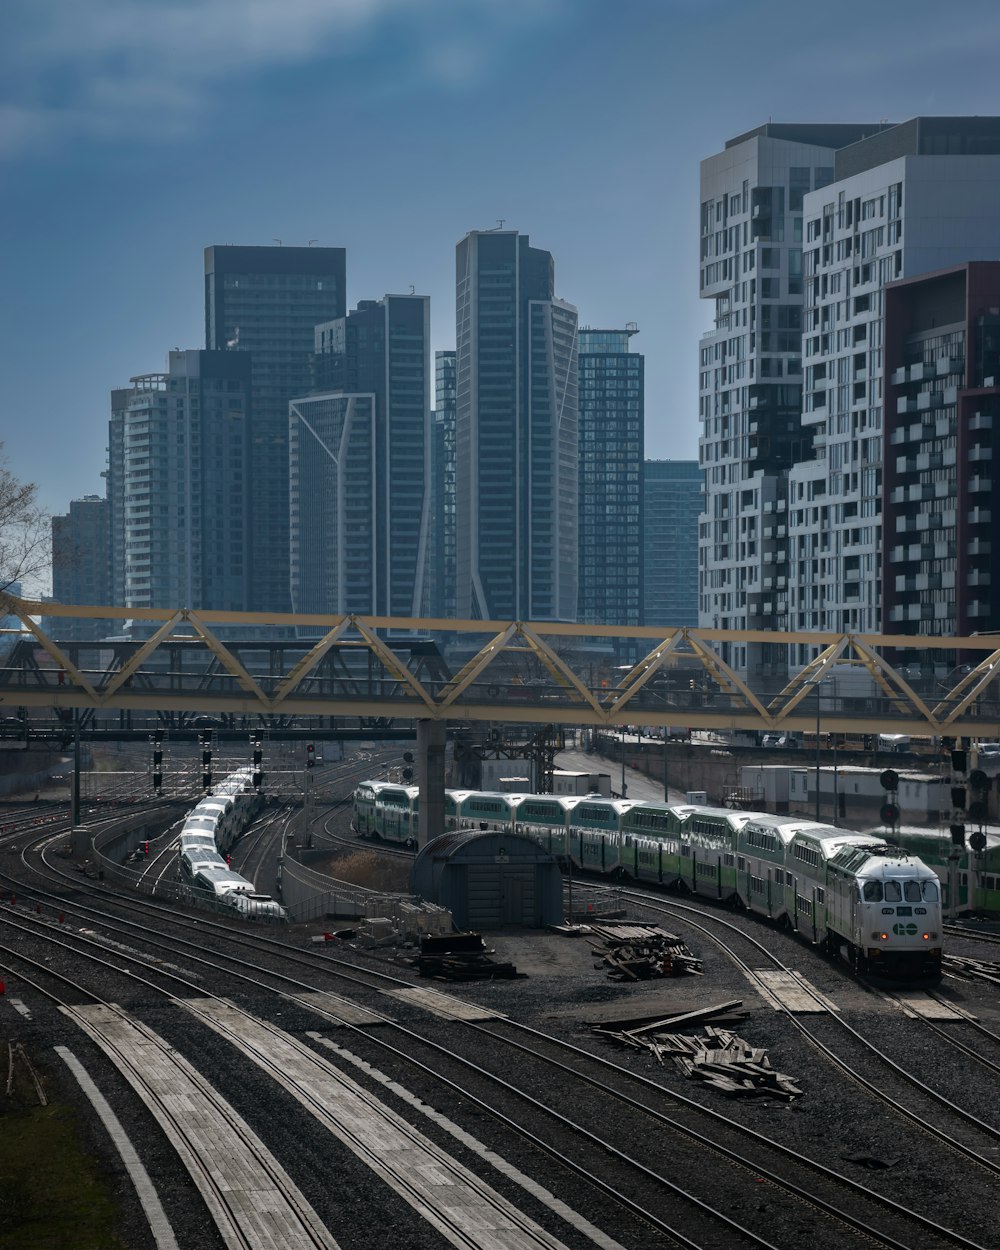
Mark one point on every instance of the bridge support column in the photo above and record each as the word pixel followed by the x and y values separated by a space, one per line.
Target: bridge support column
pixel 431 738
pixel 79 838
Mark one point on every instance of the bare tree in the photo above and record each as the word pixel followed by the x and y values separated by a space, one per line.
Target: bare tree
pixel 24 528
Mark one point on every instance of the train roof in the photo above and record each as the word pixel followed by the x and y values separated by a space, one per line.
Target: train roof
pixel 878 859
pixel 618 805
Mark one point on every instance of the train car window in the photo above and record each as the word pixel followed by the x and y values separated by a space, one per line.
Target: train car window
pixel 893 894
pixel 911 891
pixel 930 891
pixel 873 891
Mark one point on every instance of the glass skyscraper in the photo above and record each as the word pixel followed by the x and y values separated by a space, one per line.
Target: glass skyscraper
pixel 611 452
pixel 267 301
pixel 673 497
pixel 380 352
pixel 515 433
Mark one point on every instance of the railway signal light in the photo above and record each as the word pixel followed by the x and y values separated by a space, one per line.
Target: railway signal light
pixel 977 840
pixel 310 756
pixel 407 774
pixel 979 780
pixel 157 782
pixel 145 847
pixel 957 834
pixel 958 797
pixel 977 811
pixel 889 780
pixel 257 779
pixel 869 742
pixel 889 814
pixel 157 757
pixel 958 761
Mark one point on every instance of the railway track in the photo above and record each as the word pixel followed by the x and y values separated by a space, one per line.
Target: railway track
pixel 967 1134
pixel 828 1194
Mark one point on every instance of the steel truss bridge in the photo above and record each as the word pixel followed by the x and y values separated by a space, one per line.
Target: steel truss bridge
pixel 255 669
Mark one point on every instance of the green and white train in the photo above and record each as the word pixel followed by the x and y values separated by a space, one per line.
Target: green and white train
pixel 872 903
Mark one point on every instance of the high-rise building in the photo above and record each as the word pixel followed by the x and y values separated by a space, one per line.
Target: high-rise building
pixel 332 489
pixel 179 450
pixel 378 354
pixel 515 433
pixel 672 503
pixel 267 301
pixel 750 379
pixel 942 404
pixel 798 246
pixel 916 198
pixel 611 397
pixel 81 566
pixel 440 597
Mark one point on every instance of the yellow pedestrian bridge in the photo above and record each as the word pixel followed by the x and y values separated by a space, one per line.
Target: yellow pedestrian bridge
pixel 253 666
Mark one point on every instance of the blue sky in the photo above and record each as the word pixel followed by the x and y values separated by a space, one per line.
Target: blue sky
pixel 133 133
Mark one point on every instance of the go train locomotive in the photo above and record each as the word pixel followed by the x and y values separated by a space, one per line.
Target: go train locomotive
pixel 856 895
pixel 208 831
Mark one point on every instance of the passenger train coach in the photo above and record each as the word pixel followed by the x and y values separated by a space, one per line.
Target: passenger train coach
pixel 856 895
pixel 208 832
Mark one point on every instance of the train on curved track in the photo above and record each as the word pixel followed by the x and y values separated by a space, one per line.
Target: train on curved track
pixel 208 832
pixel 856 895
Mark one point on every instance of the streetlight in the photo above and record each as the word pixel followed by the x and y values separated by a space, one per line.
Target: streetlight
pixel 623 760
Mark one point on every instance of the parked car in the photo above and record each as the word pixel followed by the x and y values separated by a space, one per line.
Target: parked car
pixel 780 740
pixel 989 751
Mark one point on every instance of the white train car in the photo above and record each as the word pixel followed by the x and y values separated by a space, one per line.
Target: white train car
pixel 870 903
pixel 208 832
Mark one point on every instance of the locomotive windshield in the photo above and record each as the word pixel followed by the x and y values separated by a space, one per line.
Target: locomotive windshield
pixel 891 891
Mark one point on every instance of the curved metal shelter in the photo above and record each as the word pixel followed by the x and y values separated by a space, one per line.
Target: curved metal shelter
pixel 490 880
pixel 251 664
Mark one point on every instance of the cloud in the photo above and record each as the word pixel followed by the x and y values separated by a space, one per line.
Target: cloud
pixel 112 68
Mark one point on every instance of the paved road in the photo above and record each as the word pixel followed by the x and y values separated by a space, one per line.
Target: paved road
pixel 637 785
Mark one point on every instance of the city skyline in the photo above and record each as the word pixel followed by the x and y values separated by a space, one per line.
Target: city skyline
pixel 129 148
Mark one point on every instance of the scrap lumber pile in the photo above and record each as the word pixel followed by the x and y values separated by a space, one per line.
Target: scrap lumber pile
pixel 640 952
pixel 460 957
pixel 973 969
pixel 718 1058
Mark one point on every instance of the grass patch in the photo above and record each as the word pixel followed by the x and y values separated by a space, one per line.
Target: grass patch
pixel 52 1194
pixel 376 872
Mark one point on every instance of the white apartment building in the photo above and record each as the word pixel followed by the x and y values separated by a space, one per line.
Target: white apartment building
pixel 918 198
pixel 750 377
pixel 791 374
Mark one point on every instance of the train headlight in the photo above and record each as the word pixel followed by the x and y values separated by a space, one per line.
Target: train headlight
pixel 884 937
pixel 930 937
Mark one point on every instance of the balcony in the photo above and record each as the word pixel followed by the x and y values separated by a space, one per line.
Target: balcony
pixel 979 483
pixel 978 577
pixel 904 406
pixel 979 547
pixel 980 516
pixel 980 452
pixel 949 364
pixel 927 400
pixel 898 376
pixel 978 608
pixel 920 372
pixel 981 421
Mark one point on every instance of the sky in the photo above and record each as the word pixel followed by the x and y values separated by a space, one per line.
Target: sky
pixel 134 133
